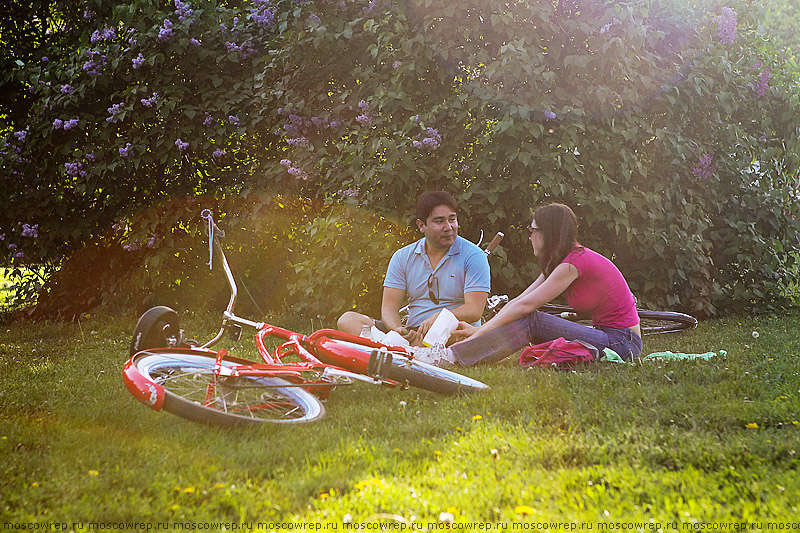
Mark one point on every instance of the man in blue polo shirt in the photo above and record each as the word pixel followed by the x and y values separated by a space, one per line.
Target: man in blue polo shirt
pixel 439 271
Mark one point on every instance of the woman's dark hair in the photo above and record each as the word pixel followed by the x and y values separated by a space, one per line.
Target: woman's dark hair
pixel 431 200
pixel 559 228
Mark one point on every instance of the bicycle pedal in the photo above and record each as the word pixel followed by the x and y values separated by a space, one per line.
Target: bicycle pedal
pixel 380 362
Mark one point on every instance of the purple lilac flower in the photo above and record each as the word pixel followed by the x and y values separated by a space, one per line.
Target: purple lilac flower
pixel 71 123
pixel 126 151
pixel 138 61
pixel 67 89
pixel 195 42
pixel 364 120
pixel 182 146
pixel 363 104
pixel 30 231
pixel 90 157
pixel 106 35
pixel 95 64
pixel 148 102
pixel 208 120
pixel 705 167
pixel 762 85
pixel 430 143
pixel 184 10
pixel 12 246
pixel 165 33
pixel 19 255
pixel 726 26
pixel 334 124
pixel 297 173
pixel 45 59
pixel 58 123
pixel 263 15
pixel 151 242
pixel 114 111
pixel 233 119
pixel 219 152
pixel 299 141
pixel 397 64
pixel 2 237
pixel 75 169
pixel 350 193
pixel 88 14
pixel 549 115
pixel 132 247
pixel 314 19
pixel 21 135
pixel 286 162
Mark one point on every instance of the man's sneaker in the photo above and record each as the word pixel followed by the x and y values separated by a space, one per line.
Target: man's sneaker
pixel 436 355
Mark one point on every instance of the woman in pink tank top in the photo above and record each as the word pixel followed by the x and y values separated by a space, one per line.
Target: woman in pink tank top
pixel 590 282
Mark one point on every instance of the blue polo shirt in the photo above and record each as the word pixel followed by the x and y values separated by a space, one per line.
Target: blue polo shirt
pixel 463 269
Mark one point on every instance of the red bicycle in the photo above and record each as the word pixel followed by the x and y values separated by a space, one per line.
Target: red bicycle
pixel 166 371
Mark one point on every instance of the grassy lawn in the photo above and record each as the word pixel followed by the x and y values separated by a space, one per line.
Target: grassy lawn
pixel 685 446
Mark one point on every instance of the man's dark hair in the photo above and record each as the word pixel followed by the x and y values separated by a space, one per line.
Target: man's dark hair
pixel 431 200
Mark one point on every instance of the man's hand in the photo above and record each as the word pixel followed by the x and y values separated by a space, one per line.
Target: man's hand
pixel 423 328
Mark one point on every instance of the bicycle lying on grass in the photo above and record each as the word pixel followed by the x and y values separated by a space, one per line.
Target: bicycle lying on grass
pixel 170 372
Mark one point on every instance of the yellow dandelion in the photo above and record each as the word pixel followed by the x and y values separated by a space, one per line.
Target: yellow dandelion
pixel 324 496
pixel 94 473
pixel 188 490
pixel 477 417
pixel 452 510
pixel 367 483
pixel 437 453
pixel 752 425
pixel 219 486
pixel 35 484
pixel 796 423
pixel 524 509
pixel 173 507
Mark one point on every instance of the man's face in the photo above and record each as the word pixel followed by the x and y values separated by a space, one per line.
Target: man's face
pixel 441 227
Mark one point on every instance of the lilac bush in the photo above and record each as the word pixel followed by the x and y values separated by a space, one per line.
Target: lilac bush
pixel 311 99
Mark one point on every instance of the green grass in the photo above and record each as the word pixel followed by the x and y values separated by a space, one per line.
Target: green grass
pixel 667 442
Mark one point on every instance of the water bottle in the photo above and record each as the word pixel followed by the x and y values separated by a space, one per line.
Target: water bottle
pixel 366 331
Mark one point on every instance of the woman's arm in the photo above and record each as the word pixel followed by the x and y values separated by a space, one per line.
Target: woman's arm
pixel 540 292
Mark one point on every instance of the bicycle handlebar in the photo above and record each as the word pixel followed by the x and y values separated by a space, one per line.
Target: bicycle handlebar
pixel 495 242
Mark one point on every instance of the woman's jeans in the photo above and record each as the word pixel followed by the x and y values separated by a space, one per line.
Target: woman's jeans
pixel 540 327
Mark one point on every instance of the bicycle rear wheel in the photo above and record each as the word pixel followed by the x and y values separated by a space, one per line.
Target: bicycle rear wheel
pixel 431 378
pixel 193 391
pixel 655 322
pixel 651 322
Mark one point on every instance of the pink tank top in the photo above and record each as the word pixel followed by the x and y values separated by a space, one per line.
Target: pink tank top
pixel 600 290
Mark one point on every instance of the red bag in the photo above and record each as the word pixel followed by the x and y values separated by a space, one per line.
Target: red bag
pixel 558 353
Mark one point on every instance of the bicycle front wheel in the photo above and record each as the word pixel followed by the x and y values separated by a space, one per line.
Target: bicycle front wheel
pixel 431 378
pixel 195 392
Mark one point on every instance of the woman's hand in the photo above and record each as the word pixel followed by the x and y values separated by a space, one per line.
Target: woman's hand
pixel 463 331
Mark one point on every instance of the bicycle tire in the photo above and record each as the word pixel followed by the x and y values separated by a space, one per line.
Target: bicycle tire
pixel 651 322
pixel 187 383
pixel 431 378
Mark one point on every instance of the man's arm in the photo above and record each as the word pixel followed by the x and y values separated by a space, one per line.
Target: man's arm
pixel 472 309
pixel 390 308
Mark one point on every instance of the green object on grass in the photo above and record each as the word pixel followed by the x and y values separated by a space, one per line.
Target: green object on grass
pixel 610 356
pixel 679 356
